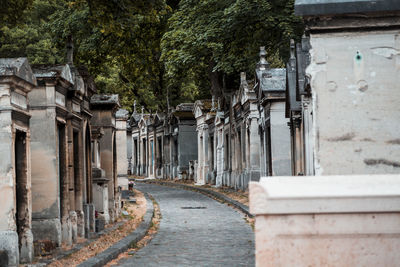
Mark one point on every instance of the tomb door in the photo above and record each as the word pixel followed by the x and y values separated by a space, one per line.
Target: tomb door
pixel 21 181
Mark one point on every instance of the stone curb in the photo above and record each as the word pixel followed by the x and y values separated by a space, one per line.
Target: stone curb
pixel 122 245
pixel 243 208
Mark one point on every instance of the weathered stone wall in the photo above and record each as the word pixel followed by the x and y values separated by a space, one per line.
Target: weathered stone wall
pixel 355 78
pixel 105 118
pixel 45 177
pixel 8 231
pixel 121 141
pixel 280 140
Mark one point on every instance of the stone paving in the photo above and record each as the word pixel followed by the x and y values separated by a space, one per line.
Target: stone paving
pixel 195 231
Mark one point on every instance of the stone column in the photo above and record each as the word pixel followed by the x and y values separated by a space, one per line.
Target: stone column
pixel 199 156
pixel 71 182
pixel 122 147
pixel 220 157
pixel 205 153
pixel 79 189
pixel 308 138
pixel 298 147
pixel 254 150
pixel 155 147
pixel 66 229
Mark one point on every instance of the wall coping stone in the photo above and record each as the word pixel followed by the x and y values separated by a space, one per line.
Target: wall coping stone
pixel 325 194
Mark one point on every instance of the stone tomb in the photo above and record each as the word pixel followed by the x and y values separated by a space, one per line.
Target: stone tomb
pixel 16 239
pixel 51 212
pixel 104 108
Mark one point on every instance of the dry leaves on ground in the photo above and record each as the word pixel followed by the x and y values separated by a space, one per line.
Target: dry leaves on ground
pixel 143 242
pixel 136 213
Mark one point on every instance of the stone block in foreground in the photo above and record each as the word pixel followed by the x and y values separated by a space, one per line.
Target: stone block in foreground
pixel 327 220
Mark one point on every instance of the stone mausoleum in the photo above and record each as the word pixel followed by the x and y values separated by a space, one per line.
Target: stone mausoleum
pixel 54 132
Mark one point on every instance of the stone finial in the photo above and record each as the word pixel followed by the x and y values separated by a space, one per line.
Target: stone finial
pixel 213 103
pixel 292 59
pixel 242 77
pixel 292 48
pixel 305 43
pixel 134 106
pixel 263 63
pixel 142 110
pixel 70 51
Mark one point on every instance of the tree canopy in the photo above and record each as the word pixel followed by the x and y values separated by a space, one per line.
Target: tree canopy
pixel 209 42
pixel 152 50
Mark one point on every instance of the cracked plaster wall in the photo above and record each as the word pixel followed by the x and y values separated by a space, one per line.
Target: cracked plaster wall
pixel 356 98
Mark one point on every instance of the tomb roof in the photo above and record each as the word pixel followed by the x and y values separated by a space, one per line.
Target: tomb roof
pixel 104 100
pixel 88 79
pixel 53 71
pixel 338 7
pixel 273 80
pixel 122 114
pixel 185 107
pixel 18 67
pixel 205 104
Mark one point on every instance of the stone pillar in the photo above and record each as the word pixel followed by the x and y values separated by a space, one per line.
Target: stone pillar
pixel 298 147
pixel 255 146
pixel 280 141
pixel 79 189
pixel 308 137
pixel 100 181
pixel 199 177
pixel 220 157
pixel 122 116
pixel 202 157
pixel 104 108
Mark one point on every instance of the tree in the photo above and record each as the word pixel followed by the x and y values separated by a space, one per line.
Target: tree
pixel 209 42
pixel 119 42
pixel 152 50
pixel 12 10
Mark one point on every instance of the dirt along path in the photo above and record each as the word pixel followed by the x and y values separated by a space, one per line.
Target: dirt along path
pixel 132 221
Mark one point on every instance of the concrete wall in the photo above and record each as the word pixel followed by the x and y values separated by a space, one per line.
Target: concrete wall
pixel 280 140
pixel 355 81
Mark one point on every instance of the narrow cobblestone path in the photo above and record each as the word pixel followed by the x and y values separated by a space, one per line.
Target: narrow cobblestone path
pixel 195 231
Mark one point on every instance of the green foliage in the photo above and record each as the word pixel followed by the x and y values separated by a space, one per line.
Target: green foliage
pixel 117 40
pixel 11 11
pixel 30 37
pixel 146 50
pixel 223 37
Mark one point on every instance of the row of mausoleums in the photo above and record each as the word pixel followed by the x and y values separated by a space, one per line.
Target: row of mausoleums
pixel 228 140
pixel 343 106
pixel 58 162
pixel 297 120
